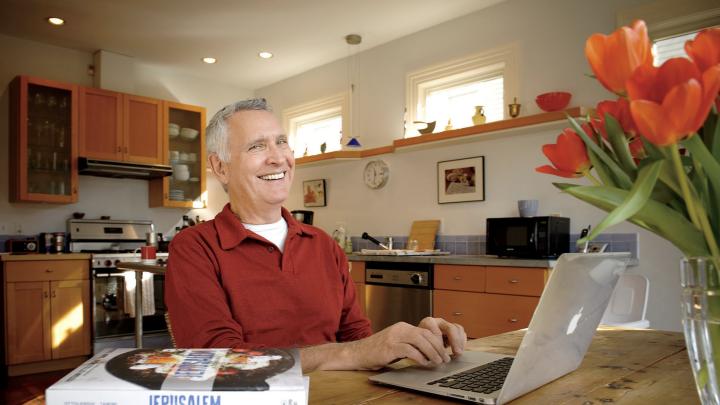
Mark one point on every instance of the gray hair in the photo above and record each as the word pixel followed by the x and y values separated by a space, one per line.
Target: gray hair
pixel 217 130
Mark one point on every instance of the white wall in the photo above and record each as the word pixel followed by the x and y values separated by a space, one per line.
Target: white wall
pixel 120 198
pixel 551 36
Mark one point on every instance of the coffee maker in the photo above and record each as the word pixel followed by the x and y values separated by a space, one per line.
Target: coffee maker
pixel 303 216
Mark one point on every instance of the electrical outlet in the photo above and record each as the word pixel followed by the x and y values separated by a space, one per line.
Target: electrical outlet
pixel 4 228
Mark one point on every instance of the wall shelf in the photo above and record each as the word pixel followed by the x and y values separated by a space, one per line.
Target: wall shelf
pixel 461 135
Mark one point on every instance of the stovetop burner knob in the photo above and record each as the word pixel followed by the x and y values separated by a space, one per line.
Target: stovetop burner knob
pixel 117 261
pixel 108 263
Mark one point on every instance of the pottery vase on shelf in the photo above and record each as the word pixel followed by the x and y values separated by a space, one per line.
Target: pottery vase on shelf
pixel 449 126
pixel 701 324
pixel 514 108
pixel 479 117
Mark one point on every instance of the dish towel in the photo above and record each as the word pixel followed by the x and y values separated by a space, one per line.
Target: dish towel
pixel 148 298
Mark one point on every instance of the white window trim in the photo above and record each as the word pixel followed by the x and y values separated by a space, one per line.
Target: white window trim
pixel 317 110
pixel 503 59
pixel 666 18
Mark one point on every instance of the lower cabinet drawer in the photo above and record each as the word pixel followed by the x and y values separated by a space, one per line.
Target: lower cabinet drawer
pixel 484 314
pixel 465 308
pixel 515 280
pixel 47 270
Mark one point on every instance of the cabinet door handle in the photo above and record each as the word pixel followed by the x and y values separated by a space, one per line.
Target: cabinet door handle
pixel 513 281
pixel 457 278
pixel 74 190
pixel 119 148
pixel 512 320
pixel 45 294
pixel 457 313
pixel 48 271
pixel 53 294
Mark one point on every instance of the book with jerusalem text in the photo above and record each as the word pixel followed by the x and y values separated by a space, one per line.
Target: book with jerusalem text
pixel 184 377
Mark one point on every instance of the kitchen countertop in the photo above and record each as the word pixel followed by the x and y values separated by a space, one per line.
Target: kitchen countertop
pixel 468 260
pixel 472 260
pixel 40 256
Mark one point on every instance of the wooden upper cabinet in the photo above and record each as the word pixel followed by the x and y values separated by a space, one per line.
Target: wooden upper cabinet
pixel 120 127
pixel 142 134
pixel 43 141
pixel 100 124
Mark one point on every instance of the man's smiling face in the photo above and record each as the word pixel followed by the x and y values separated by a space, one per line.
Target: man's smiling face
pixel 261 165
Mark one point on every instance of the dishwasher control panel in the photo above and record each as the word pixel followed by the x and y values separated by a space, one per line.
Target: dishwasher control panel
pixel 399 274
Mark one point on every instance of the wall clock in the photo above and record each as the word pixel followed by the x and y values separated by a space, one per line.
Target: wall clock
pixel 376 174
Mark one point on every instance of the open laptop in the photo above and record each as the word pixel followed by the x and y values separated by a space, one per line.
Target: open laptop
pixel 555 343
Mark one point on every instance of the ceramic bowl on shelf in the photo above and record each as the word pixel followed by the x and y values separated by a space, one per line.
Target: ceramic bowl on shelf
pixel 553 101
pixel 188 134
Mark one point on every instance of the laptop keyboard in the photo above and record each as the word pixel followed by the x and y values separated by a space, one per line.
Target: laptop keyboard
pixel 484 379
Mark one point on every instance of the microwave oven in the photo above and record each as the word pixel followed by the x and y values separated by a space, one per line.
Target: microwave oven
pixel 528 237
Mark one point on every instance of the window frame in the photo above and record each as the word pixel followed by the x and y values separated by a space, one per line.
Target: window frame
pixel 317 110
pixel 502 60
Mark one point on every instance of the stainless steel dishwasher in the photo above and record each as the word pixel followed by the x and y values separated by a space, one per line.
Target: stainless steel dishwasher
pixel 397 291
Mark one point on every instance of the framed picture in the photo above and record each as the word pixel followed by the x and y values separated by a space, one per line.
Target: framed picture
pixel 314 193
pixel 461 180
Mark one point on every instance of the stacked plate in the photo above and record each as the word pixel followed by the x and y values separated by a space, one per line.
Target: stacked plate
pixel 177 194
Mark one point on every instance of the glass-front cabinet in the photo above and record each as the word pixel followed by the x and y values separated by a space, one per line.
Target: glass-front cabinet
pixel 43 141
pixel 184 143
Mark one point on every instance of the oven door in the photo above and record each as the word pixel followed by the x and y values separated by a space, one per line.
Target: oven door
pixel 512 237
pixel 113 309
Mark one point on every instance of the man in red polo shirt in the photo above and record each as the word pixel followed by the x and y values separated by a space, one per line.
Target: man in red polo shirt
pixel 256 277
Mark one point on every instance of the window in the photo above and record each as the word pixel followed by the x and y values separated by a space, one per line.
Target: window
pixel 672 47
pixel 448 93
pixel 313 124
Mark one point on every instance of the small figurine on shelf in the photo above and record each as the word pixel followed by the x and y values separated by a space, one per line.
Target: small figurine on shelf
pixel 323 146
pixel 449 125
pixel 479 117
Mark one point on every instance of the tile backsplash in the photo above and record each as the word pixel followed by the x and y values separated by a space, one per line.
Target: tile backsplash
pixel 475 244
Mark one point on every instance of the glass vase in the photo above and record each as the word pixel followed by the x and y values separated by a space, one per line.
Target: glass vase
pixel 701 323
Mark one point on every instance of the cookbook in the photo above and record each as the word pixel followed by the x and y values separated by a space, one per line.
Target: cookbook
pixel 184 377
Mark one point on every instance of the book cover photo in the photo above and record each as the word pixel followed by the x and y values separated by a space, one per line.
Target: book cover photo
pixel 184 377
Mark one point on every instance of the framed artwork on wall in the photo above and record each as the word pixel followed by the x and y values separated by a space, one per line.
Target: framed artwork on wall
pixel 314 193
pixel 461 180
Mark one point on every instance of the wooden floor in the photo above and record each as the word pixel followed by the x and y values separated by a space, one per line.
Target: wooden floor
pixel 29 389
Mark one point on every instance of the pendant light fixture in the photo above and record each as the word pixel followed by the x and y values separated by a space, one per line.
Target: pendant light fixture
pixel 352 40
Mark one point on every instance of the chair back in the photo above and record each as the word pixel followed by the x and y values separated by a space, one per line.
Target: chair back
pixel 628 303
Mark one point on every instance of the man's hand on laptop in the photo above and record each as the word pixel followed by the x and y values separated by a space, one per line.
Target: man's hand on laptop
pixel 422 344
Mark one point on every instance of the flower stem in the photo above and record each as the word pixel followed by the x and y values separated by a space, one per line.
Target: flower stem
pixel 592 178
pixel 683 180
pixel 709 236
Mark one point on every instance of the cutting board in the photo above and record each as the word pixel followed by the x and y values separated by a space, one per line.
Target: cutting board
pixel 424 232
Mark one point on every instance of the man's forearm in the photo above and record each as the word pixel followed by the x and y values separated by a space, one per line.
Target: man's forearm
pixel 328 356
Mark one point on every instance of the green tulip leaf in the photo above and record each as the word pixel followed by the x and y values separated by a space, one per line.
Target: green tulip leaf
pixel 654 216
pixel 635 201
pixel 622 179
pixel 600 169
pixel 619 143
pixel 710 165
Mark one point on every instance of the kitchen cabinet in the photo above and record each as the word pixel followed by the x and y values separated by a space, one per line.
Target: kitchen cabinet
pixel 120 127
pixel 487 300
pixel 43 141
pixel 357 272
pixel 183 141
pixel 47 314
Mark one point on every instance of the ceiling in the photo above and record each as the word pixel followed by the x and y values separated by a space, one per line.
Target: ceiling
pixel 176 34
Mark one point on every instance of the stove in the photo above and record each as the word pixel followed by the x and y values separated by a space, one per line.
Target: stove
pixel 110 242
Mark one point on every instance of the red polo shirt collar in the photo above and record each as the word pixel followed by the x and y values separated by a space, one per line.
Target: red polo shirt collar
pixel 231 231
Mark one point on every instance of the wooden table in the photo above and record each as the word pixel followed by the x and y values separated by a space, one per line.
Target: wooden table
pixel 621 367
pixel 139 269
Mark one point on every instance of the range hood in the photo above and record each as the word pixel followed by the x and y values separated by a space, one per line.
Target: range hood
pixel 124 170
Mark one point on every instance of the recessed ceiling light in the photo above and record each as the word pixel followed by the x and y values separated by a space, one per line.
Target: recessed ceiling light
pixel 209 60
pixel 265 55
pixel 55 21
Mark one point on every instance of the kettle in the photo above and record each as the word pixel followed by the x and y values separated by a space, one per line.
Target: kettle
pixel 304 216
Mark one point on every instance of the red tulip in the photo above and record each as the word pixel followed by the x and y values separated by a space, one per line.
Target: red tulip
pixel 672 101
pixel 620 110
pixel 704 50
pixel 613 58
pixel 568 156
